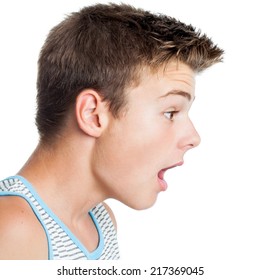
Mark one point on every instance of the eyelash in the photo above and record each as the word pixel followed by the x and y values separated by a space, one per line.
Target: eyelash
pixel 171 113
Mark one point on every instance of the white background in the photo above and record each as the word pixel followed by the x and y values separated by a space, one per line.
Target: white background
pixel 209 215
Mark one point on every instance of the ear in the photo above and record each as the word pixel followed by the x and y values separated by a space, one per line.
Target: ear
pixel 91 113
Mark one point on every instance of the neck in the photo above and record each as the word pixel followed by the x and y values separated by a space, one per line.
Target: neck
pixel 63 177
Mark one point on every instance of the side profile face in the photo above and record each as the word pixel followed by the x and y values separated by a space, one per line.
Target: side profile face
pixel 152 136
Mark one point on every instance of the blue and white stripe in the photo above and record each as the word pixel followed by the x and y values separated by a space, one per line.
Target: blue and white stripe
pixel 62 244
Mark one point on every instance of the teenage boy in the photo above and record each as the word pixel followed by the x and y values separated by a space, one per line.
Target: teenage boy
pixel 115 85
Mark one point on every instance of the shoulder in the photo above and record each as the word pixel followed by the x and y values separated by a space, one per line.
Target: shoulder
pixel 111 214
pixel 21 234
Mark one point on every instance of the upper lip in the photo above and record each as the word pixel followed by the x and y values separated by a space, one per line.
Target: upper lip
pixel 172 166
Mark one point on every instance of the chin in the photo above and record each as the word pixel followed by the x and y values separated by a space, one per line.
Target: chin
pixel 140 197
pixel 141 204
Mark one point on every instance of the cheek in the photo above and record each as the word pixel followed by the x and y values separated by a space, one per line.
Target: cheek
pixel 143 144
pixel 129 151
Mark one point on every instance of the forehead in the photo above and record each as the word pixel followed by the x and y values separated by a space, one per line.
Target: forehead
pixel 173 69
pixel 170 78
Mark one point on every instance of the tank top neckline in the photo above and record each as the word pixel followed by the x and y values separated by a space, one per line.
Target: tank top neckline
pixel 95 254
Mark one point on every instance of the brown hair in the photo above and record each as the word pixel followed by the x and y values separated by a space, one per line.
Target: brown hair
pixel 102 47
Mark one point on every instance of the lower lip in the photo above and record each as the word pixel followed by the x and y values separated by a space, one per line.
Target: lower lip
pixel 163 184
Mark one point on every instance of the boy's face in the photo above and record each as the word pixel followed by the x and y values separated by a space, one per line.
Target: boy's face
pixel 152 136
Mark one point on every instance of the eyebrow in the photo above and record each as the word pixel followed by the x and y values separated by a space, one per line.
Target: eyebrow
pixel 177 92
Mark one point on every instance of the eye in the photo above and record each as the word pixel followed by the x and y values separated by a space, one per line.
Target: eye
pixel 170 115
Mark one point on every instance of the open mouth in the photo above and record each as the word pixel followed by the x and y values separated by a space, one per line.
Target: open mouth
pixel 161 173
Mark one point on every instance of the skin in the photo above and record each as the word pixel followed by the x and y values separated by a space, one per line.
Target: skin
pixel 98 157
pixel 154 134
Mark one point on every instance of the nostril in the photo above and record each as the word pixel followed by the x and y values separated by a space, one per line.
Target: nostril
pixel 195 141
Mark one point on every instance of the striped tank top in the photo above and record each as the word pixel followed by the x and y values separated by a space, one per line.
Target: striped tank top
pixel 62 244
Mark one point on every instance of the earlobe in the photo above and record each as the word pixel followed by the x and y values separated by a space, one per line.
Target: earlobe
pixel 88 111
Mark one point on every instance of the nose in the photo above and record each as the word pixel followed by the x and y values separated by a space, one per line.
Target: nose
pixel 192 138
pixel 195 137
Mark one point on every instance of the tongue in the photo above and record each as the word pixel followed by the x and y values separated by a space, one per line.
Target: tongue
pixel 161 174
